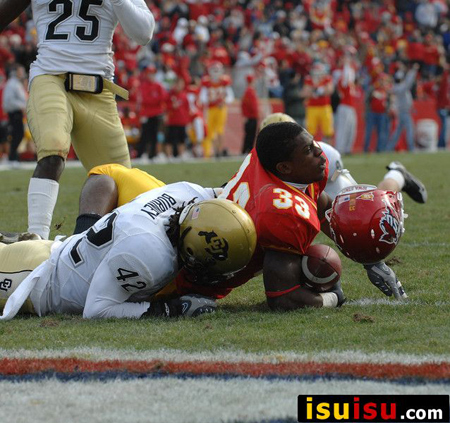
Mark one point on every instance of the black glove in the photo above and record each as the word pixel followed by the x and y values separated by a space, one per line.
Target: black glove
pixel 384 278
pixel 188 305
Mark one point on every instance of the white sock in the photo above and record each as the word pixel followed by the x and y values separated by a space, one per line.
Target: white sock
pixel 330 299
pixel 397 177
pixel 42 196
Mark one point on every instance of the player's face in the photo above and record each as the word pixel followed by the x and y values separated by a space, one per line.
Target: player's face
pixel 308 164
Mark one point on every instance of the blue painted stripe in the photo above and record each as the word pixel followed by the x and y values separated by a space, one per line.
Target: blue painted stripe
pixel 124 375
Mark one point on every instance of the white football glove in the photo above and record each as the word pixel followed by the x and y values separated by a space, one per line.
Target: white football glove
pixel 385 279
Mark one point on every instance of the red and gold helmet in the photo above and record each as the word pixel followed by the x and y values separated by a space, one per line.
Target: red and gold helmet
pixel 366 223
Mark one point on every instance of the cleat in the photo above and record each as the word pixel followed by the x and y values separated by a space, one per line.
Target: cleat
pixel 413 186
pixel 12 237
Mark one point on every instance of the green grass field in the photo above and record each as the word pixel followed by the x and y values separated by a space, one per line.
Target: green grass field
pixel 368 322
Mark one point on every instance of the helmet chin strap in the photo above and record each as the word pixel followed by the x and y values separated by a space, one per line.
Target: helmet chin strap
pixel 301 187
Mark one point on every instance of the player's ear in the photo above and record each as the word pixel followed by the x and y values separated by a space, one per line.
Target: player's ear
pixel 284 168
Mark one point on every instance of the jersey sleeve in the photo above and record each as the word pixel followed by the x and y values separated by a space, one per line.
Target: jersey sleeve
pixel 117 278
pixel 136 19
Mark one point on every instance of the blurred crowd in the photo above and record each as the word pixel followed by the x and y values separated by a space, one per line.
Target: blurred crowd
pixel 321 58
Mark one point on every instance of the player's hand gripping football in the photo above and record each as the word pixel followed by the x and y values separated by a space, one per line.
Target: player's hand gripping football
pixel 385 279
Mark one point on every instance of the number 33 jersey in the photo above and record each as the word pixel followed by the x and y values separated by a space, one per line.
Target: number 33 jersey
pixel 112 269
pixel 285 217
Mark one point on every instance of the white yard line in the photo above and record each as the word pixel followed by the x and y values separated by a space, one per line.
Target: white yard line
pixel 171 399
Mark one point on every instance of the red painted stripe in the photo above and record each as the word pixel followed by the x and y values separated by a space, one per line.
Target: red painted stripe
pixel 387 371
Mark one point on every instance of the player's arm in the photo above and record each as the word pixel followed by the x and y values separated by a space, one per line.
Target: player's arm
pixel 120 277
pixel 136 19
pixel 324 203
pixel 229 96
pixel 282 276
pixel 98 197
pixel 10 10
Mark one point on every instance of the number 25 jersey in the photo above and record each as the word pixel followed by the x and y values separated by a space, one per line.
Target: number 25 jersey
pixel 76 35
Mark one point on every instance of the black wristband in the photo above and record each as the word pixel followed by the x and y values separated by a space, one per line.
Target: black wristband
pixel 85 221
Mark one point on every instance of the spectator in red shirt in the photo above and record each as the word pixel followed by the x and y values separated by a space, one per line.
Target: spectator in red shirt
pixel 178 117
pixel 249 105
pixel 346 118
pixel 430 54
pixel 151 100
pixel 377 113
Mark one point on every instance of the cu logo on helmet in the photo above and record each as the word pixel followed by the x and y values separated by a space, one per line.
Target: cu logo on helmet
pixel 217 247
pixel 390 226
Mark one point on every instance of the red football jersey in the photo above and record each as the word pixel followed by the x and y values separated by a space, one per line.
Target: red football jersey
pixel 285 218
pixel 320 100
pixel 217 90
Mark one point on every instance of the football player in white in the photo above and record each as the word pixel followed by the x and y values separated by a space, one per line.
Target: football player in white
pixel 72 94
pixel 114 268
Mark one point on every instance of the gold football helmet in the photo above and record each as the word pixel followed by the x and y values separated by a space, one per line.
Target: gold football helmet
pixel 217 238
pixel 275 118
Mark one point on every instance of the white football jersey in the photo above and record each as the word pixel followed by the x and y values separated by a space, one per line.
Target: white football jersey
pixel 124 258
pixel 76 35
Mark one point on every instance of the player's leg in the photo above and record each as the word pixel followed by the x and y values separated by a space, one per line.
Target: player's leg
pixel 222 114
pixel 327 123
pixel 393 140
pixel 145 138
pixel 399 179
pixel 17 261
pixel 409 128
pixel 50 120
pixel 312 120
pixel 98 197
pixel 211 131
pixel 98 136
pixel 17 133
pixel 153 123
pixel 370 123
pixel 181 141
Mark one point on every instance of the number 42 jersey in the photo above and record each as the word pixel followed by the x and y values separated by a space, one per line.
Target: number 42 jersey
pixel 112 269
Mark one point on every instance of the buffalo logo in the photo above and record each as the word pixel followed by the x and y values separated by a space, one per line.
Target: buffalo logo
pixel 217 247
pixel 5 285
pixel 390 226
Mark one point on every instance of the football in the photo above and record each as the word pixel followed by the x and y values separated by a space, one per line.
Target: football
pixel 321 267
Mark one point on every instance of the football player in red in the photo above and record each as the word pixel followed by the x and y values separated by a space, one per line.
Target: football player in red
pixel 280 184
pixel 318 89
pixel 215 94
